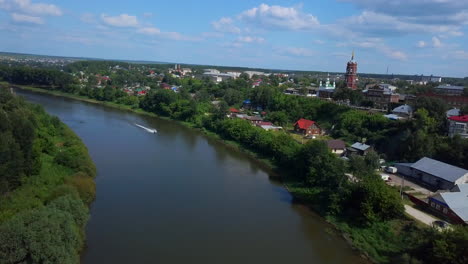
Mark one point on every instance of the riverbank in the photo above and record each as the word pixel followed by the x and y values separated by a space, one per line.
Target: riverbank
pixel 375 241
pixel 50 205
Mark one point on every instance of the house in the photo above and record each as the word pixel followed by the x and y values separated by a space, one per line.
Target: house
pixel 268 126
pixel 336 146
pixel 434 173
pixel 458 125
pixel 453 204
pixel 307 127
pixel 254 119
pixel 404 111
pixel 453 112
pixel 381 96
pixel 451 90
pixel 359 149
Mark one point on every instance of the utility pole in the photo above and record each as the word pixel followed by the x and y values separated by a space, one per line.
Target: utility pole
pixel 401 187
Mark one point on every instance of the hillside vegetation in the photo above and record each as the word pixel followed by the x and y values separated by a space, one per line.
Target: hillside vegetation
pixel 46 185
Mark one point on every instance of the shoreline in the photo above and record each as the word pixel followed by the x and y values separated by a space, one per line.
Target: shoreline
pixel 275 173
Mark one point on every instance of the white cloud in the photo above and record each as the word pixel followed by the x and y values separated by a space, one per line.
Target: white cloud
pixel 421 44
pixel 392 53
pixel 436 42
pixel 225 25
pixel 27 7
pixel 249 39
pixel 149 31
pixel 26 19
pixel 123 20
pixel 279 17
pixel 372 23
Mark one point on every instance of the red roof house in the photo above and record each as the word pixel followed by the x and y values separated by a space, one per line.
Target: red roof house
pixel 458 125
pixel 234 110
pixel 307 127
pixel 463 118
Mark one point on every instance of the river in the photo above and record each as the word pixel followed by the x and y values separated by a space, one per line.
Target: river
pixel 180 197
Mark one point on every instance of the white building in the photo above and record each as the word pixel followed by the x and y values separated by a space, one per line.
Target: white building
pixel 458 125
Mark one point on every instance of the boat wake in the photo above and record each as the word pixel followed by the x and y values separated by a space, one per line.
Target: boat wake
pixel 150 130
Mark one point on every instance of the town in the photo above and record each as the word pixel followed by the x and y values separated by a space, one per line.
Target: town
pixel 411 131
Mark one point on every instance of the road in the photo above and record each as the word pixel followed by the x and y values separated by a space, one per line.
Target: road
pixel 419 215
pixel 398 180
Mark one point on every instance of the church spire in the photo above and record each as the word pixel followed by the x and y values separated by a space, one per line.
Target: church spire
pixel 352 57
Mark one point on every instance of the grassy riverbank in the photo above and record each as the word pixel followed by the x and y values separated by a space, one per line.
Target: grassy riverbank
pixel 43 214
pixel 382 242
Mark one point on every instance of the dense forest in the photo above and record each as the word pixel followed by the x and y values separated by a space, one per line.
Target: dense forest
pixel 46 184
pixel 364 207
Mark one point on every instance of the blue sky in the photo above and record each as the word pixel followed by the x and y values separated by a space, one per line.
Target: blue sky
pixel 410 37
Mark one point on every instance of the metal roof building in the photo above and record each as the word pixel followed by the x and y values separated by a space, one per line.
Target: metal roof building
pixel 436 174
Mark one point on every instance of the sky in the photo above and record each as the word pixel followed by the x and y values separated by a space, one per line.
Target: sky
pixel 405 36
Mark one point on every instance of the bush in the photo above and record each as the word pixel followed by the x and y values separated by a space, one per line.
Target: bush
pixel 85 186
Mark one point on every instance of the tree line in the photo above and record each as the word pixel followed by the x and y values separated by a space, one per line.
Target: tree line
pixel 46 185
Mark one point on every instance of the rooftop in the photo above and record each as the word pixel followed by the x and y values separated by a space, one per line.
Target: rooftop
pixel 439 169
pixel 336 144
pixel 304 123
pixel 458 201
pixel 360 146
pixel 450 87
pixel 403 109
pixel 463 118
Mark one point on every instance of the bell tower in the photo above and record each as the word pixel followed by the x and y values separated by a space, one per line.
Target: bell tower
pixel 351 74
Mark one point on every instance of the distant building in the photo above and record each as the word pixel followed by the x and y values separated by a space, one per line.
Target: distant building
pixel 405 111
pixel 458 125
pixel 381 97
pixel 252 73
pixel 435 174
pixel 454 101
pixel 453 112
pixel 307 127
pixel 453 204
pixel 268 126
pixel 351 74
pixel 450 90
pixel 359 149
pixel 428 79
pixel 336 146
pixel 326 90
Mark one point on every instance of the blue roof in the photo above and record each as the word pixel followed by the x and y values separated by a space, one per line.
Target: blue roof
pixel 247 101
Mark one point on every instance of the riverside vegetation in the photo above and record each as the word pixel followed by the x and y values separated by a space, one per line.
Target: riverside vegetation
pixel 367 210
pixel 46 184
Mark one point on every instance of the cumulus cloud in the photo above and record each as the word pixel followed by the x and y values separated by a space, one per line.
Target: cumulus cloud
pixel 377 24
pixel 279 17
pixel 123 20
pixel 226 25
pixel 249 39
pixel 414 16
pixel 27 19
pixel 421 44
pixel 412 8
pixel 149 31
pixel 29 8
